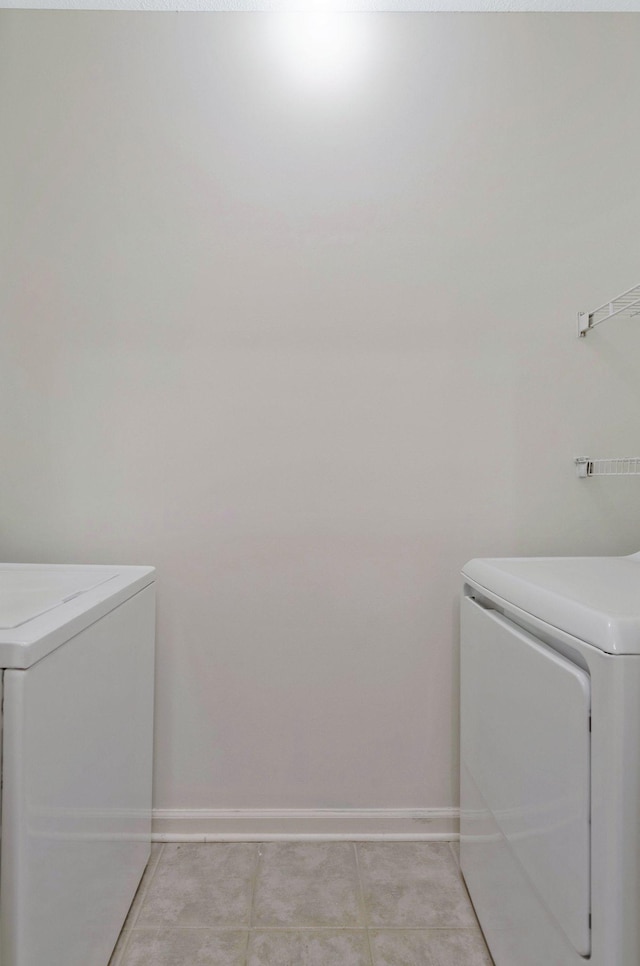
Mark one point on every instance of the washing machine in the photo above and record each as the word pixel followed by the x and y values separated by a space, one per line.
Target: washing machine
pixel 550 758
pixel 77 655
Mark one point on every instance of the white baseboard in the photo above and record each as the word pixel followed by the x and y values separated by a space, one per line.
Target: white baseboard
pixel 310 825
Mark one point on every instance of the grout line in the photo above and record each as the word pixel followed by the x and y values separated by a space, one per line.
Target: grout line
pixel 311 929
pixel 143 889
pixel 456 855
pixel 469 929
pixel 125 932
pixel 254 885
pixel 363 905
pixel 478 926
pixel 154 863
pixel 242 927
pixel 221 838
pixel 125 935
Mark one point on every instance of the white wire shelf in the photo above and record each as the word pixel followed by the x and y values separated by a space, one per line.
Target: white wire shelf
pixel 617 466
pixel 627 304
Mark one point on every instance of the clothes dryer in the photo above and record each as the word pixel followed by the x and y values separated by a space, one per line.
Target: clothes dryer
pixel 550 758
pixel 77 655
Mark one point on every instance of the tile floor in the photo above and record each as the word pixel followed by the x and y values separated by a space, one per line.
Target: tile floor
pixel 302 904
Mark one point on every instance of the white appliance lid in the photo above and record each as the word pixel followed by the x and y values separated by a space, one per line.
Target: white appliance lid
pixel 30 592
pixel 595 599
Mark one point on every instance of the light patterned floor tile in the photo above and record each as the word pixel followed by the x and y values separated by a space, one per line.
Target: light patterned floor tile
pixel 201 885
pixel 185 947
pixel 309 947
pixel 302 884
pixel 429 947
pixel 413 885
pixel 194 907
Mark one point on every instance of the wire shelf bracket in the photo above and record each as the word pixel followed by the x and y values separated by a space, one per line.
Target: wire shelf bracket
pixel 619 466
pixel 627 305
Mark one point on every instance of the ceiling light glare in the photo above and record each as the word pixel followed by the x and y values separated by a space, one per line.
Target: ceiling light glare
pixel 321 49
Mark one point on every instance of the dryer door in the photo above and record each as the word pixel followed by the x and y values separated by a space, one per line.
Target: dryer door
pixel 526 754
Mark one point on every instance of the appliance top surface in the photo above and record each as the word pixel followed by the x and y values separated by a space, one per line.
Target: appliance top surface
pixel 595 599
pixel 43 605
pixel 25 594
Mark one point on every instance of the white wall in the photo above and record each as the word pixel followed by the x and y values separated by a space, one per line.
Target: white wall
pixel 308 351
